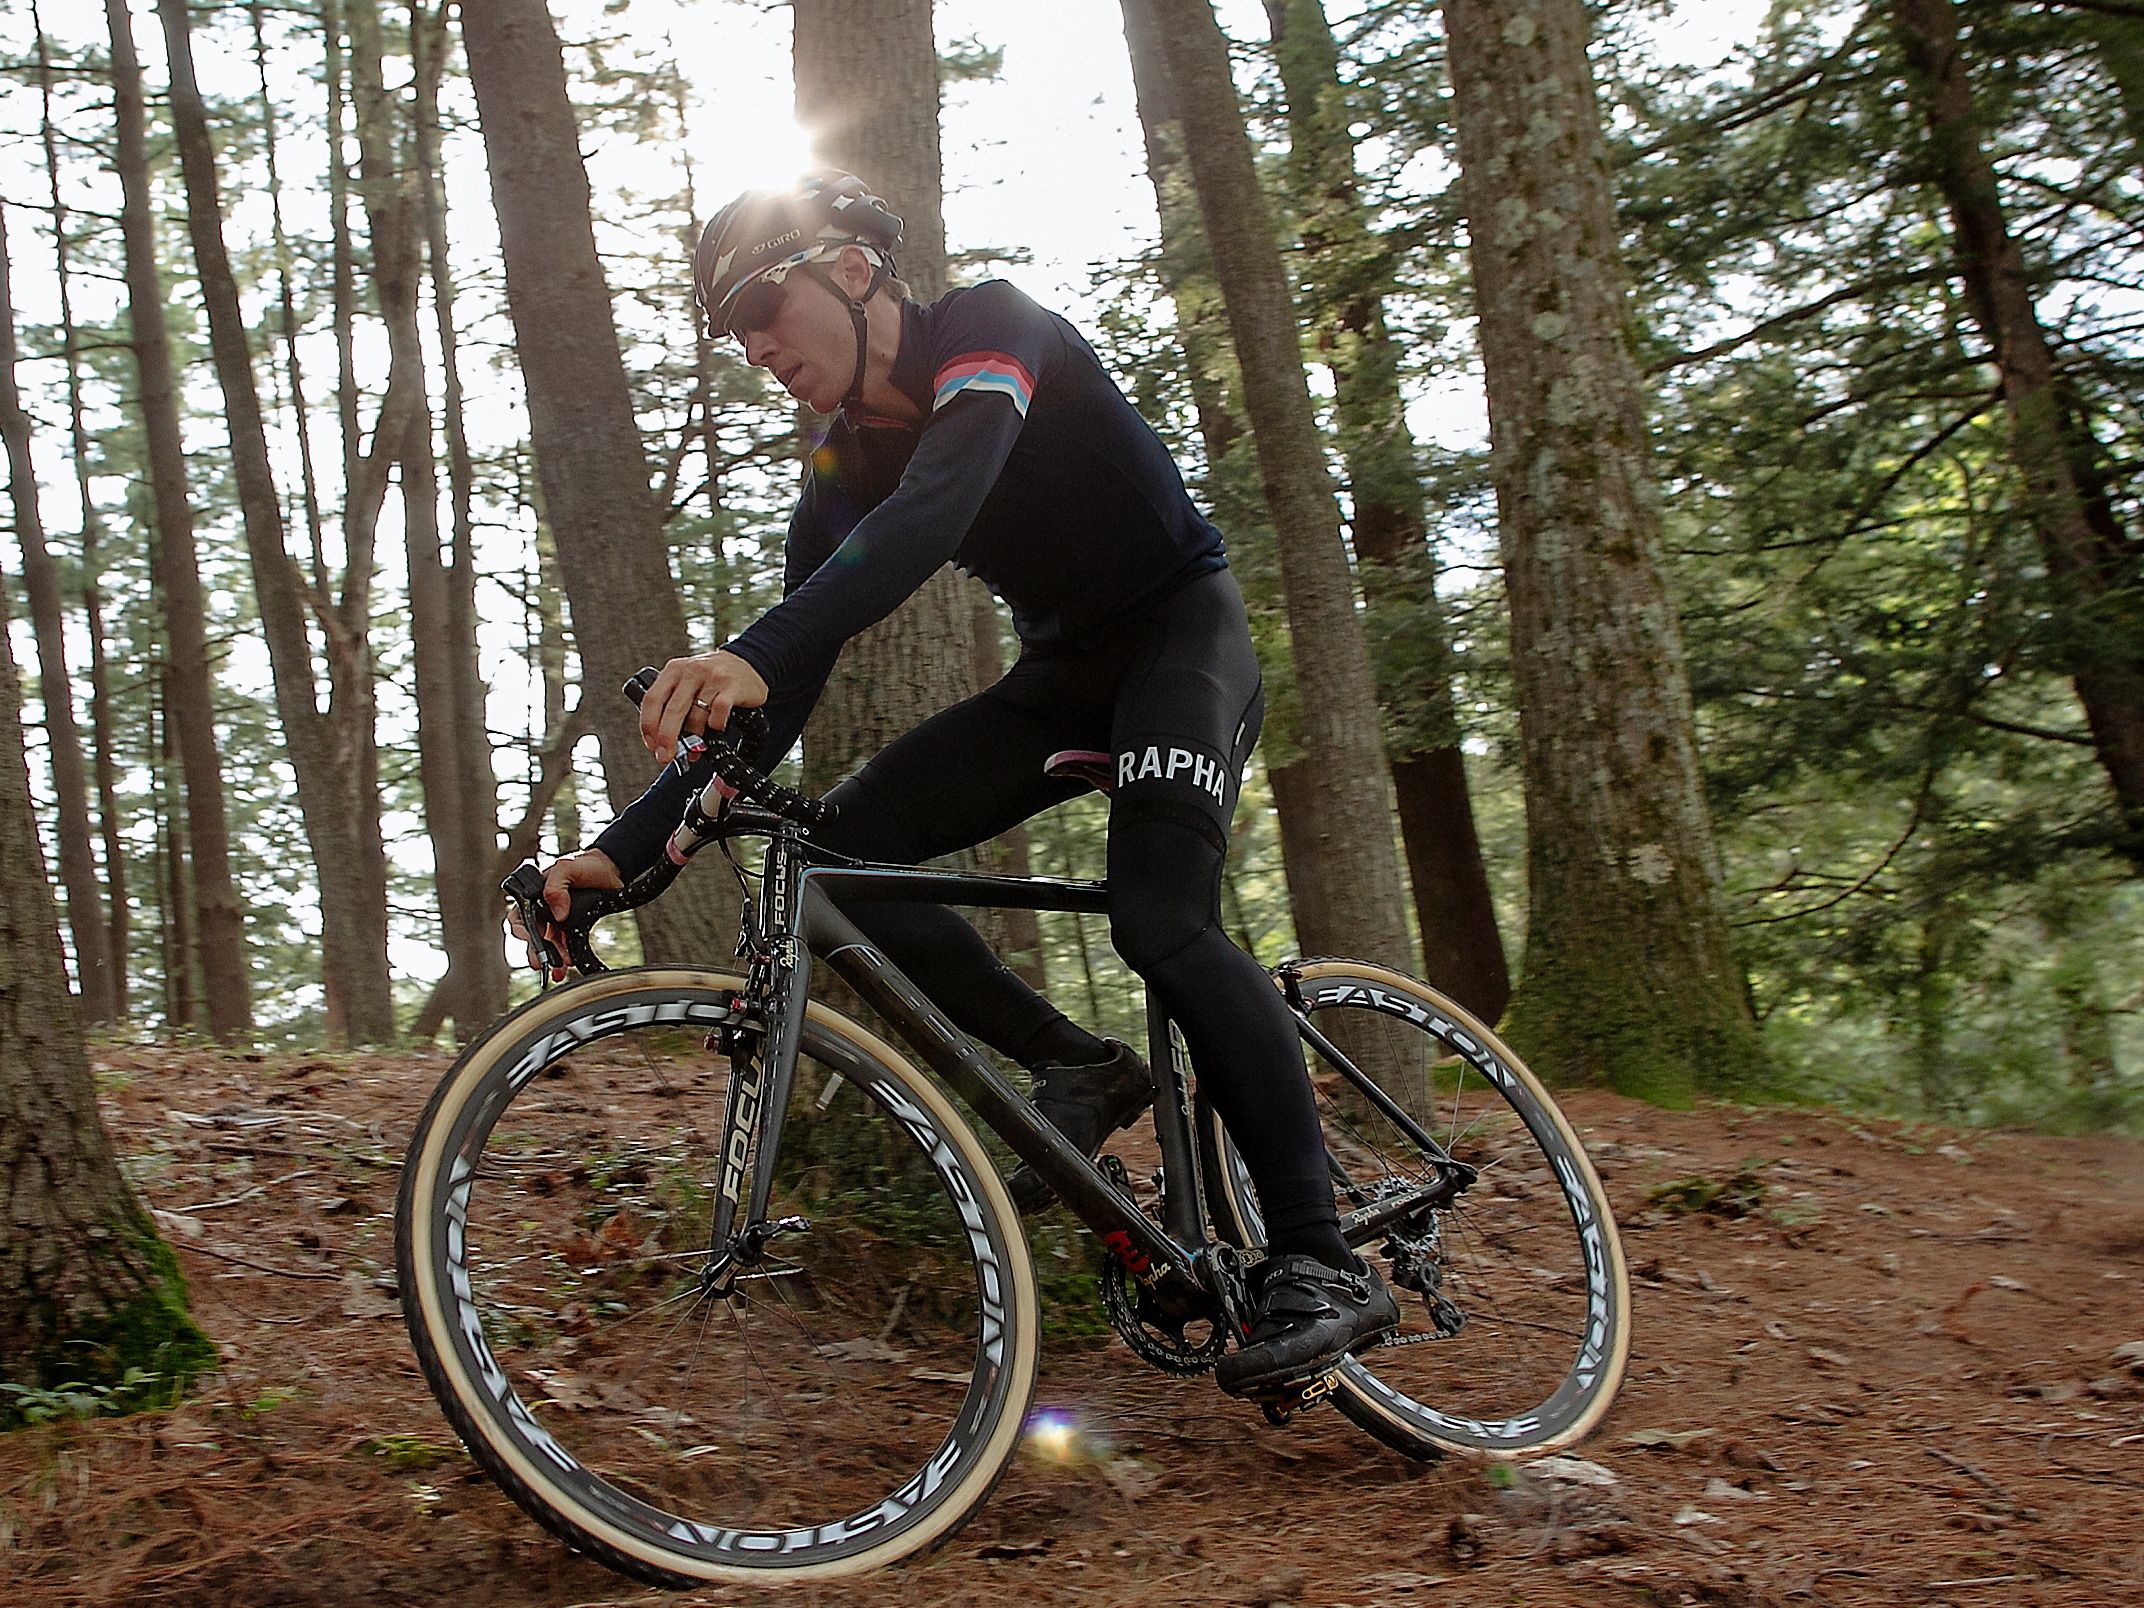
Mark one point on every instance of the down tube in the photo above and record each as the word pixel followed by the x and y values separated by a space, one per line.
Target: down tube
pixel 1092 1198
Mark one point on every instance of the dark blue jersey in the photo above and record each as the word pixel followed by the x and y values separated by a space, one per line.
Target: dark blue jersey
pixel 1029 469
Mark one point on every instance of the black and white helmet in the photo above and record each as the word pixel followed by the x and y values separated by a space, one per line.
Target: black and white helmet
pixel 765 234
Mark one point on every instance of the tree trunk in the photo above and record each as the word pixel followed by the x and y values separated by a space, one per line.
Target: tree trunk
pixel 477 848
pixel 87 1290
pixel 2092 567
pixel 1187 268
pixel 523 840
pixel 589 453
pixel 460 807
pixel 1344 880
pixel 332 797
pixel 287 307
pixel 175 930
pixel 1345 275
pixel 101 735
pixel 867 92
pixel 1016 934
pixel 1630 978
pixel 550 651
pixel 190 708
pixel 63 739
pixel 343 259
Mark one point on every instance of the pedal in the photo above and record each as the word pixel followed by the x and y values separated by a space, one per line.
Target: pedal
pixel 1281 1403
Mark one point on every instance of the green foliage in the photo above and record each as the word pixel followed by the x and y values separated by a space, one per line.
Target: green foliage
pixel 141 1355
pixel 1918 844
pixel 1739 1194
pixel 76 1399
pixel 1915 830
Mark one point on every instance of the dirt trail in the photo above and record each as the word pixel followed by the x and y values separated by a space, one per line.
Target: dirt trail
pixel 1909 1372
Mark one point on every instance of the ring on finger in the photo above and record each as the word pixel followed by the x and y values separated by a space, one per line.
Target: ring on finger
pixel 701 703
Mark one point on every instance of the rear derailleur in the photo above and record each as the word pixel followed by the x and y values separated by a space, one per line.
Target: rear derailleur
pixel 1417 1265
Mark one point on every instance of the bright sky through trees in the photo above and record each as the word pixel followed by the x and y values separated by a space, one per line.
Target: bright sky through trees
pixel 1043 163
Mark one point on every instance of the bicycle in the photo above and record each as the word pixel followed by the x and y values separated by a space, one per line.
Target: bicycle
pixel 717 1285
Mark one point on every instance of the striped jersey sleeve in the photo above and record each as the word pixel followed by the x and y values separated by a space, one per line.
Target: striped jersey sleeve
pixel 994 342
pixel 982 373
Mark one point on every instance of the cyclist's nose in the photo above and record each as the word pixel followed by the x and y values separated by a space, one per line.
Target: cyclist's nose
pixel 756 344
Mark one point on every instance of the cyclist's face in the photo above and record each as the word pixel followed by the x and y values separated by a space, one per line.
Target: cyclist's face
pixel 799 332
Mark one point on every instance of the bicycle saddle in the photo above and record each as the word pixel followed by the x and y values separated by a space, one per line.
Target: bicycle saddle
pixel 1082 765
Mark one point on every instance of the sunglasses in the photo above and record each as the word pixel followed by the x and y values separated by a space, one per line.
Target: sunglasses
pixel 756 307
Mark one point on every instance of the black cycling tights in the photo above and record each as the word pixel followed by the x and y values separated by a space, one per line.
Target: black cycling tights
pixel 1174 698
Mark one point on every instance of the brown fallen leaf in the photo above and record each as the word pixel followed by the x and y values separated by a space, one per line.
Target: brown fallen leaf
pixel 1673 1439
pixel 1013 1549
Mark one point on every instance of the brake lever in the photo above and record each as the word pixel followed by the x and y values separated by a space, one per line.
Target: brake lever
pixel 586 907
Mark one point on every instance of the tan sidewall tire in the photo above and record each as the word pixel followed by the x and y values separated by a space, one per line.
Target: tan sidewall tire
pixel 1363 1406
pixel 428 1301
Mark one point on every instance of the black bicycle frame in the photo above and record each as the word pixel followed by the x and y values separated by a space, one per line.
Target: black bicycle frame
pixel 799 897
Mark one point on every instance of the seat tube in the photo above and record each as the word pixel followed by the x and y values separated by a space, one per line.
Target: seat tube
pixel 1182 1213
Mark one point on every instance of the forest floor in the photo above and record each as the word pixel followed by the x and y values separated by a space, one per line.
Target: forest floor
pixel 1911 1372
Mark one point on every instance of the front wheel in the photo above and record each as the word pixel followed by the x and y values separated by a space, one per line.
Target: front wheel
pixel 848 1398
pixel 1514 1300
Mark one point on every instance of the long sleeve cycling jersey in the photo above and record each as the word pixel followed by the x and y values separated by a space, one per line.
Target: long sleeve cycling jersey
pixel 1029 469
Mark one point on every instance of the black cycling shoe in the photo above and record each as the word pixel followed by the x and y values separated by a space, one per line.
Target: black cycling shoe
pixel 1087 1104
pixel 1309 1317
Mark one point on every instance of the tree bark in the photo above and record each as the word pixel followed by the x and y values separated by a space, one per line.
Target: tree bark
pixel 87 1290
pixel 1186 267
pixel 460 801
pixel 287 307
pixel 1345 274
pixel 1343 877
pixel 477 850
pixel 2093 572
pixel 333 801
pixel 589 453
pixel 102 736
pixel 867 93
pixel 55 686
pixel 1630 978
pixel 190 708
pixel 104 765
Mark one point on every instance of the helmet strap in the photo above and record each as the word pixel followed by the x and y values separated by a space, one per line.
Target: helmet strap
pixel 879 272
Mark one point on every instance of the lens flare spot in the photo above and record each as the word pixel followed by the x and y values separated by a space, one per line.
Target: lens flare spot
pixel 1054 1436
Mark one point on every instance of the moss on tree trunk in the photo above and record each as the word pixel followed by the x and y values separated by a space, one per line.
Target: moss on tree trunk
pixel 1630 978
pixel 89 1296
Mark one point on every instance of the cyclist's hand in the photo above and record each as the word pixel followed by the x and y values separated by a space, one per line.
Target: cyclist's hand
pixel 692 697
pixel 584 868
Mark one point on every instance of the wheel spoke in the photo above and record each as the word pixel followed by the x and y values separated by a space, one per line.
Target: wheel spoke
pixel 1507 1252
pixel 575 1236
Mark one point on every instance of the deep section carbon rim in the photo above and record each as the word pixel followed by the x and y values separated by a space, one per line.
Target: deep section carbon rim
pixel 849 1398
pixel 1514 1302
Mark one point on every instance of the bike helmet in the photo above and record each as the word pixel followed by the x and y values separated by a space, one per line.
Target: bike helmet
pixel 763 236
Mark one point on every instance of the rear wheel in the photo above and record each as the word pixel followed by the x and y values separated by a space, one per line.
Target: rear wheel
pixel 1514 1300
pixel 849 1399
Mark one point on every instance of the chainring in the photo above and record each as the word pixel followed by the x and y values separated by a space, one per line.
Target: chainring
pixel 1154 1338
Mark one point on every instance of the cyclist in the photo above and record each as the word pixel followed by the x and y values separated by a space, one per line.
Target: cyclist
pixel 982 429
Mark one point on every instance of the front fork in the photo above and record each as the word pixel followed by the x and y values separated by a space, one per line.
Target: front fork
pixel 762 1046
